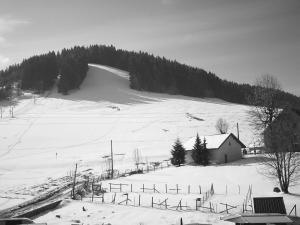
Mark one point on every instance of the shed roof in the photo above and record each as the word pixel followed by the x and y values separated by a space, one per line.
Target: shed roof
pixel 258 218
pixel 212 141
pixel 269 205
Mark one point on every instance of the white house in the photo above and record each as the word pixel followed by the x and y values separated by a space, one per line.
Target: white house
pixel 222 148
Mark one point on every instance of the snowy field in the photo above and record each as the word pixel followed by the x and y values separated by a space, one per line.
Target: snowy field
pixel 237 176
pixel 50 134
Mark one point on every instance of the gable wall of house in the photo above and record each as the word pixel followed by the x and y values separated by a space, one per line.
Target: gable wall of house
pixel 231 148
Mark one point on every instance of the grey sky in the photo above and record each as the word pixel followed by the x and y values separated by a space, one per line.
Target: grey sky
pixel 236 39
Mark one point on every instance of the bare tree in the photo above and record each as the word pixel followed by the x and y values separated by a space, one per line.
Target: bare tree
pixel 265 102
pixel 222 126
pixel 281 142
pixel 281 161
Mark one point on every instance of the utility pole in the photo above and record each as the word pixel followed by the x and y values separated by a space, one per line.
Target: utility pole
pixel 238 130
pixel 112 160
pixel 12 111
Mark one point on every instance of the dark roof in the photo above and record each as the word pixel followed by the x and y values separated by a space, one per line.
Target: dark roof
pixel 269 205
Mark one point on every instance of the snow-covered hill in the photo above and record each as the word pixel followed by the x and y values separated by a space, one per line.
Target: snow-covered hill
pixel 48 136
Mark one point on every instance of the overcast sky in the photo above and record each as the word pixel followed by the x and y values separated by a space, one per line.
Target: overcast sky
pixel 236 39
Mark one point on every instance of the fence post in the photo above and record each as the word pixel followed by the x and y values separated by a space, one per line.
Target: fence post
pixel 189 189
pixel 166 185
pixel 294 208
pixel 93 190
pixel 212 190
pixel 177 188
pixel 200 189
pixel 114 198
pixel 131 187
pixel 139 200
pixel 152 202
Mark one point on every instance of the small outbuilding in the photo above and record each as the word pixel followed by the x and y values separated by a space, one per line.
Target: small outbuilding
pixel 267 210
pixel 222 148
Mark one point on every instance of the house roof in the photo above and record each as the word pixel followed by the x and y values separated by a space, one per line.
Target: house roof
pixel 212 141
pixel 258 218
pixel 269 205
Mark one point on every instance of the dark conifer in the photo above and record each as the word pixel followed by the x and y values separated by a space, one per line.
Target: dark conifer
pixel 197 152
pixel 178 154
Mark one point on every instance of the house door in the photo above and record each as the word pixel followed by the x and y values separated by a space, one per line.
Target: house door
pixel 226 159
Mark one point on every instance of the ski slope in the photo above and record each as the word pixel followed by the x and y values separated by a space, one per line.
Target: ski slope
pixel 47 136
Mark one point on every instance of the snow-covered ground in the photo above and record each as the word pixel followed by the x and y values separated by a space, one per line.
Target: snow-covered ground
pixel 105 214
pixel 235 177
pixel 48 135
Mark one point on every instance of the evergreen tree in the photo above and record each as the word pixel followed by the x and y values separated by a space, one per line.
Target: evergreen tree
pixel 205 153
pixel 197 152
pixel 178 153
pixel 147 72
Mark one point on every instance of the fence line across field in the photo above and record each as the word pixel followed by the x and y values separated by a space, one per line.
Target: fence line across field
pixel 154 188
pixel 162 196
pixel 157 202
